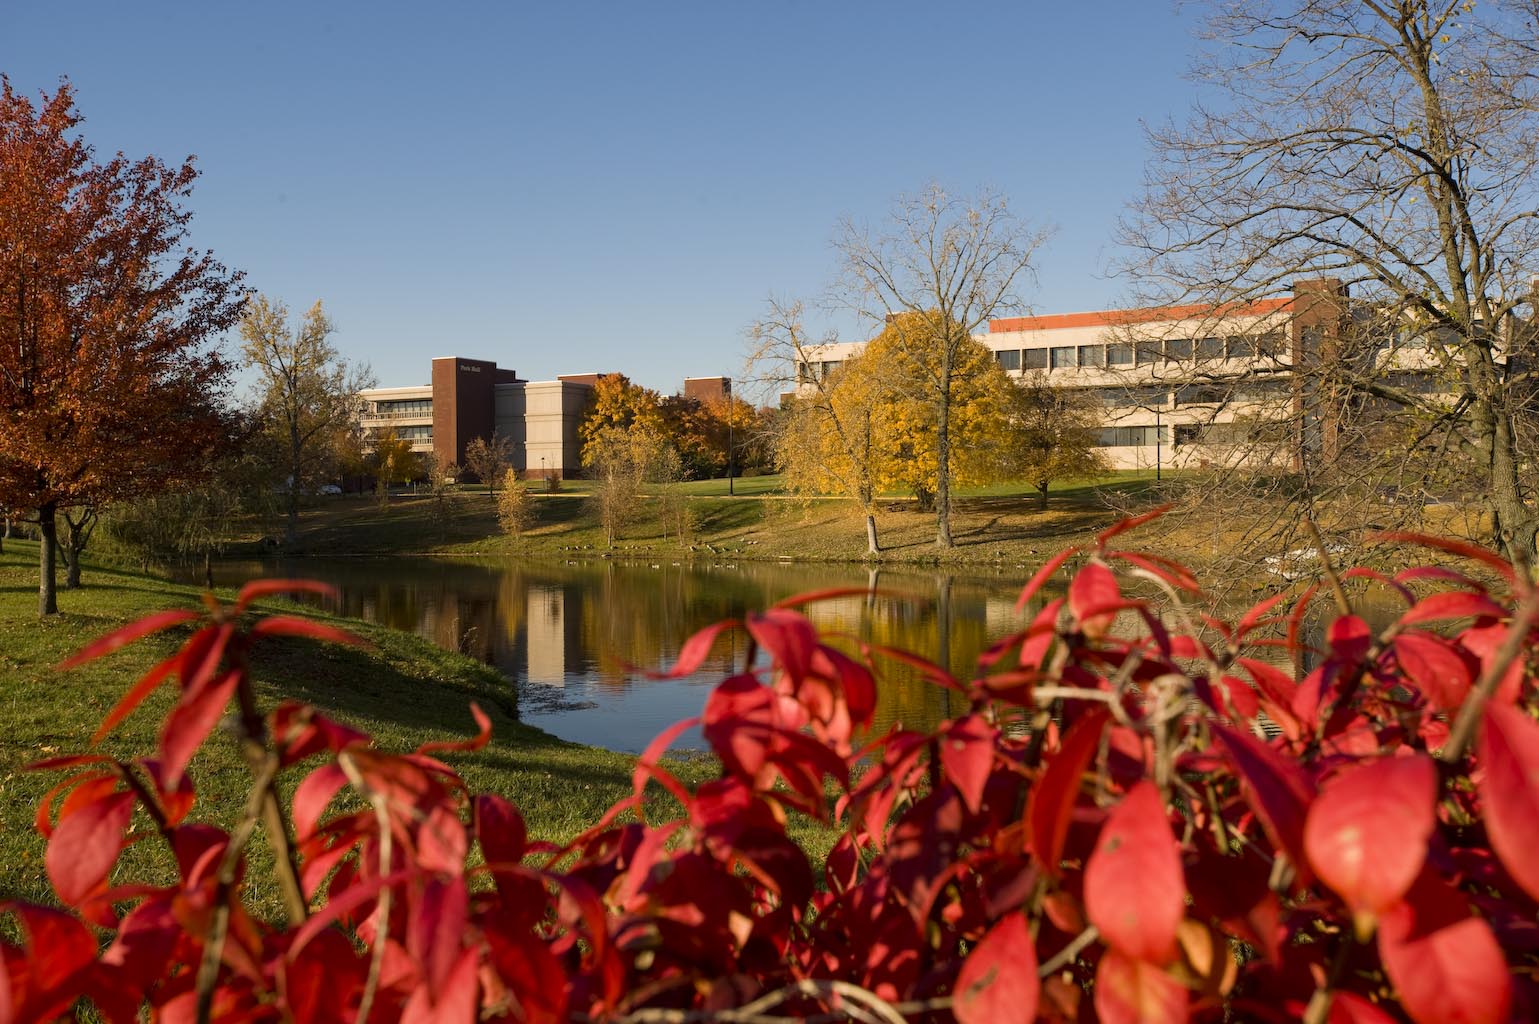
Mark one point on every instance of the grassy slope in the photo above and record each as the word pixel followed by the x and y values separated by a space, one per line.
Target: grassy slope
pixel 404 691
pixel 989 527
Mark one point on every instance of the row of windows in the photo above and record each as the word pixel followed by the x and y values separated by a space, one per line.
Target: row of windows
pixel 1142 353
pixel 415 433
pixel 400 407
pixel 1132 437
pixel 807 373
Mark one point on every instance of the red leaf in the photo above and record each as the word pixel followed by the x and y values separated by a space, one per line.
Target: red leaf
pixel 257 589
pixel 481 738
pixel 1129 523
pixel 293 625
pixel 1367 831
pixel 1256 614
pixel 998 981
pixel 191 721
pixel 455 1001
pixel 1431 664
pixel 788 637
pixel 1446 965
pixel 1350 1008
pixel 831 594
pixel 1452 604
pixel 142 689
pixel 1129 991
pixel 61 953
pixel 1092 591
pixel 1035 583
pixel 1349 638
pixel 1275 789
pixel 86 844
pixel 126 635
pixel 1448 544
pixel 692 654
pixel 500 829
pixel 1509 791
pixel 1135 893
pixel 1051 805
pixel 312 796
pixel 967 753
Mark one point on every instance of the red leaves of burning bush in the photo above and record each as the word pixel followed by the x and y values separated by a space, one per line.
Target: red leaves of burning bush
pixel 1127 823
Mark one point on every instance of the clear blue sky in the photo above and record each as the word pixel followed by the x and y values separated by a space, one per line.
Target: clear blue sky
pixel 568 187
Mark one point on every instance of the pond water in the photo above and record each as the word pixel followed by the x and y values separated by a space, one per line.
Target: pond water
pixel 566 634
pixel 573 638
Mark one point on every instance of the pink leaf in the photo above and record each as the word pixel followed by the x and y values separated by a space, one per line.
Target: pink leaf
pixel 1135 892
pixel 967 753
pixel 1093 590
pixel 1041 576
pixel 1431 664
pixel 293 625
pixel 1367 831
pixel 86 844
pixel 191 721
pixel 126 635
pixel 998 982
pixel 1130 991
pixel 1509 791
pixel 1276 790
pixel 1452 604
pixel 1447 965
pixel 1051 804
pixel 692 655
pixel 482 737
pixel 257 589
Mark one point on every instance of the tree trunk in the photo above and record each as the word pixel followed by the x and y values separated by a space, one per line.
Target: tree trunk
pixel 1513 524
pixel 48 542
pixel 71 555
pixel 872 547
pixel 1042 496
pixel 208 569
pixel 943 456
pixel 291 528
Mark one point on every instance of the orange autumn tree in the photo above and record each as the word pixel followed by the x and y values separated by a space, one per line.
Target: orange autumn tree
pixel 107 384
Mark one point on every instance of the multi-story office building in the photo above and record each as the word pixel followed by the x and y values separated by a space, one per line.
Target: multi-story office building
pixel 471 398
pixel 1191 385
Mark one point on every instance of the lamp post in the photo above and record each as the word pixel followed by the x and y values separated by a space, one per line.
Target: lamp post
pixel 727 392
pixel 542 469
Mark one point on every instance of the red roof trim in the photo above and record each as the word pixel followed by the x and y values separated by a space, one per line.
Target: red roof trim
pixel 1122 317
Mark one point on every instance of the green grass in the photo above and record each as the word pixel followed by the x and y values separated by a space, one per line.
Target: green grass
pixel 402 691
pixel 1002 524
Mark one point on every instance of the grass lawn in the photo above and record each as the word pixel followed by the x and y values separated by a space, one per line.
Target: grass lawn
pixel 993 525
pixel 403 692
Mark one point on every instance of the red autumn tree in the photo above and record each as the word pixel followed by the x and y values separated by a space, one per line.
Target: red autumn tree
pixel 107 384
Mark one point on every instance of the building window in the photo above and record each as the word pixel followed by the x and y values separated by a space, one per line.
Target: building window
pixel 1034 359
pixel 1008 359
pixel 1119 354
pixel 1061 357
pixel 1178 350
pixel 1092 355
pixel 397 408
pixel 1270 345
pixel 1210 348
pixel 1148 352
pixel 1131 437
pixel 1242 347
pixel 1198 394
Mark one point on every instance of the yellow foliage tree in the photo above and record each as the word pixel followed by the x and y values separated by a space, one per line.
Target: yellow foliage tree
pixel 618 404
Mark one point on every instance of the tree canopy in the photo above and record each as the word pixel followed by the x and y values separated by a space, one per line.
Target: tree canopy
pixel 109 385
pixel 1393 146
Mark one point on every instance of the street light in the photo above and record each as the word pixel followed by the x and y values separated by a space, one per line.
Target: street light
pixel 726 388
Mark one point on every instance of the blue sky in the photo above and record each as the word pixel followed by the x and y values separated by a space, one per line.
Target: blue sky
pixel 583 186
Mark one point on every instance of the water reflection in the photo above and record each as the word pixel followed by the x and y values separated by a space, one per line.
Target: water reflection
pixel 572 636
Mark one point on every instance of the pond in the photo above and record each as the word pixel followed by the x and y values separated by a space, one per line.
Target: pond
pixel 567 634
pixel 574 638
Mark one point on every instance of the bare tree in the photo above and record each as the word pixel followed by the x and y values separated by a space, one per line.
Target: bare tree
pixel 955 263
pixel 825 435
pixel 1391 145
pixel 489 459
pixel 308 393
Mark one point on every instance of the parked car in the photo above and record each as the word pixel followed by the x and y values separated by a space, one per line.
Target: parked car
pixel 329 489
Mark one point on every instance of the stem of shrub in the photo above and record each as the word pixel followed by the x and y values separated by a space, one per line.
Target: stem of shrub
pixel 262 763
pixel 1471 711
